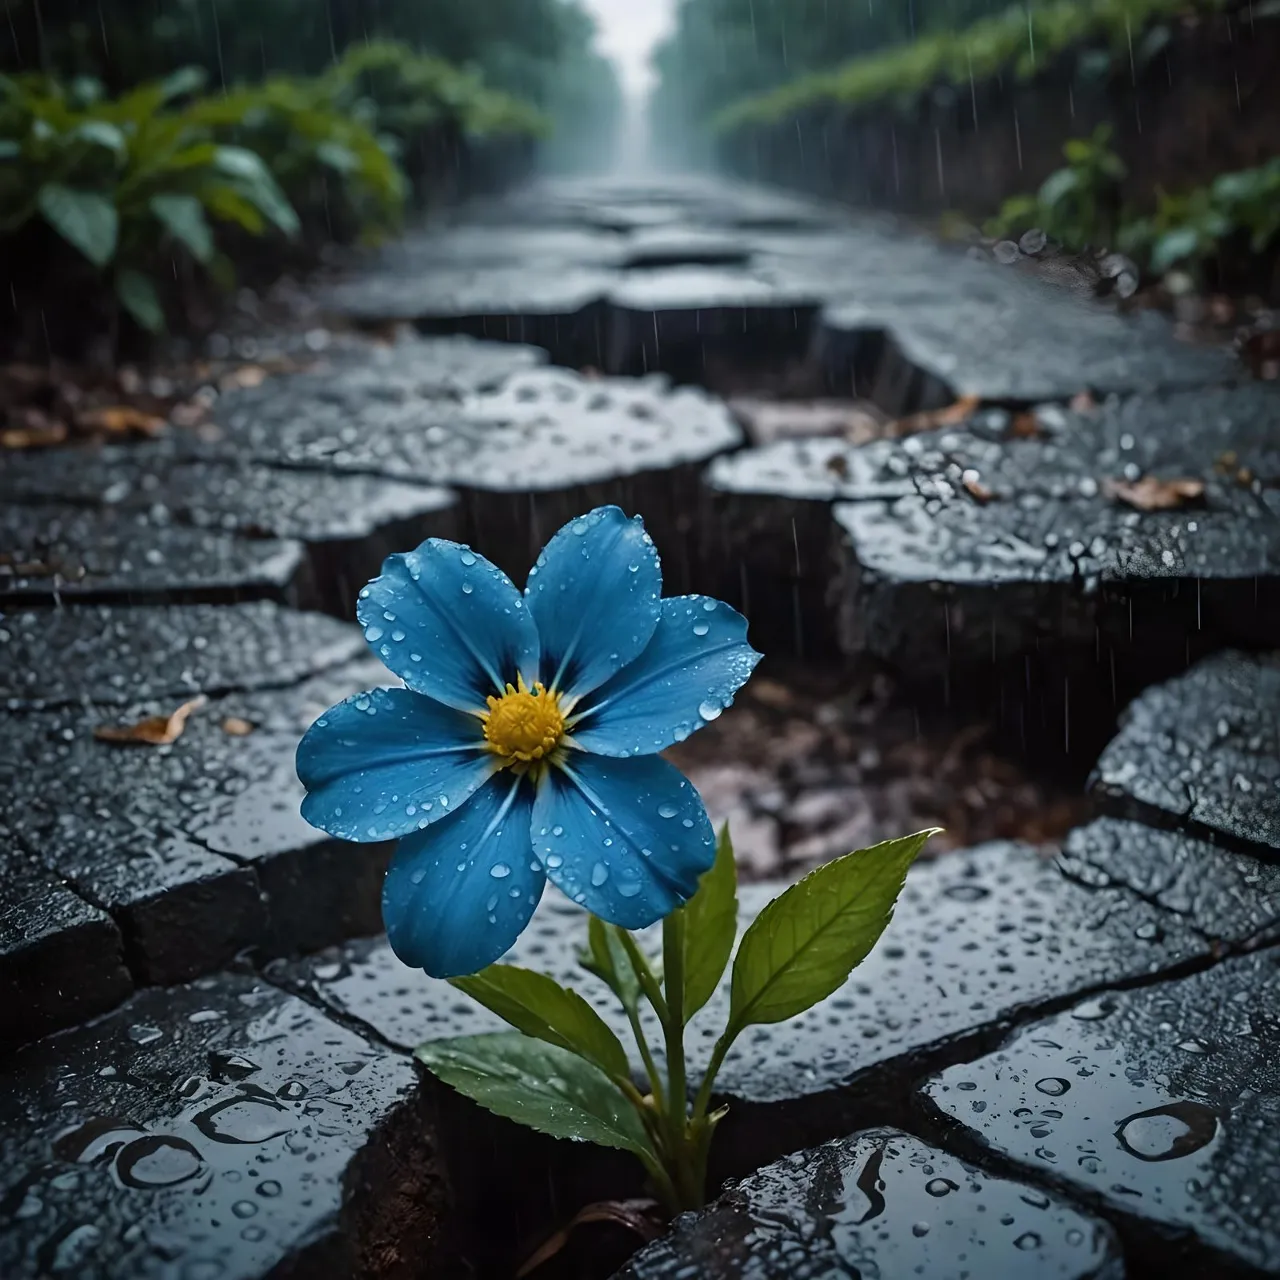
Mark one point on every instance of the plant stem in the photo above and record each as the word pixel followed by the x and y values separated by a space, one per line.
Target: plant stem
pixel 651 1067
pixel 684 1159
pixel 722 1047
pixel 648 983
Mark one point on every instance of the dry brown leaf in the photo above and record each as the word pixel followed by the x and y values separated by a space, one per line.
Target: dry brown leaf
pixel 248 375
pixel 976 489
pixel 235 727
pixel 1153 494
pixel 838 465
pixel 121 420
pixel 954 414
pixel 644 1217
pixel 154 731
pixel 33 430
pixel 1025 426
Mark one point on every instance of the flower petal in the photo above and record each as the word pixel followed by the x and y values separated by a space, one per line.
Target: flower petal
pixel 449 624
pixel 460 893
pixel 388 762
pixel 697 660
pixel 595 595
pixel 627 839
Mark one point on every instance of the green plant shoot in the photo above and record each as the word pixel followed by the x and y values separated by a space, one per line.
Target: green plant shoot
pixel 564 1071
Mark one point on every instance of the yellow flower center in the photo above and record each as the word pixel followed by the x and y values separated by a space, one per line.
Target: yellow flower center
pixel 523 725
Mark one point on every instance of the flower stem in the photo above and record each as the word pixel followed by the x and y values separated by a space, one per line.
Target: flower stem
pixel 686 1164
pixel 703 1100
pixel 644 974
pixel 646 1055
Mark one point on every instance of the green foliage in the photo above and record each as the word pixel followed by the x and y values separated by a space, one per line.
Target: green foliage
pixel 401 93
pixel 539 1085
pixel 1240 210
pixel 540 1007
pixel 1018 41
pixel 498 67
pixel 568 1074
pixel 711 925
pixel 804 944
pixel 116 178
pixel 1079 204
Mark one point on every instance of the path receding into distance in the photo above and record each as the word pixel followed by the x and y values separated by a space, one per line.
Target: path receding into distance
pixel 1053 1065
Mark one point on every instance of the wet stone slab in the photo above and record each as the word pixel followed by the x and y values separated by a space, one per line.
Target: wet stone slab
pixel 527 453
pixel 52 552
pixel 61 959
pixel 348 523
pixel 219 1130
pixel 984 332
pixel 881 1203
pixel 1202 753
pixel 110 655
pixel 1051 614
pixel 1161 1104
pixel 196 849
pixel 995 932
pixel 1231 897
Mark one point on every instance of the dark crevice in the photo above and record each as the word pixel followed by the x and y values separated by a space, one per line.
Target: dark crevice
pixel 1118 804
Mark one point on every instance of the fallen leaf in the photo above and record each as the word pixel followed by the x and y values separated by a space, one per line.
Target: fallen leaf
pixel 838 464
pixel 155 731
pixel 235 727
pixel 975 488
pixel 1025 426
pixel 188 414
pixel 644 1217
pixel 248 375
pixel 950 416
pixel 121 420
pixel 1152 494
pixel 34 430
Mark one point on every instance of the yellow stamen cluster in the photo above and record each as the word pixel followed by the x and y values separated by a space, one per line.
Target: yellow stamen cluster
pixel 523 725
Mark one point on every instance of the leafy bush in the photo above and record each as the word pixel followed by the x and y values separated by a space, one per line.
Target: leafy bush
pixel 1078 204
pixel 328 161
pixel 117 179
pixel 1236 211
pixel 1018 41
pixel 403 93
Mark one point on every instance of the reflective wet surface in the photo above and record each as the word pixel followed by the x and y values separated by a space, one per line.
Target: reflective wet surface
pixel 1162 1103
pixel 133 1151
pixel 881 1204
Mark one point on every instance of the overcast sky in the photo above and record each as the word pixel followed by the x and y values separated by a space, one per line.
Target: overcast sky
pixel 629 30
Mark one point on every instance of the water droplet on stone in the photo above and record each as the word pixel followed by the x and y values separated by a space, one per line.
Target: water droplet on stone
pixel 157 1160
pixel 1054 1086
pixel 1168 1132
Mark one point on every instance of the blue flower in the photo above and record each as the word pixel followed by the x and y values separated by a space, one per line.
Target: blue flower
pixel 525 743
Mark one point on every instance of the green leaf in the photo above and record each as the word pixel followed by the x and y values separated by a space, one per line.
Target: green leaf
pixel 711 924
pixel 540 1007
pixel 82 218
pixel 255 183
pixel 183 217
pixel 338 157
pixel 607 959
pixel 1173 247
pixel 1059 185
pixel 227 203
pixel 539 1085
pixel 806 942
pixel 138 296
pixel 103 134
